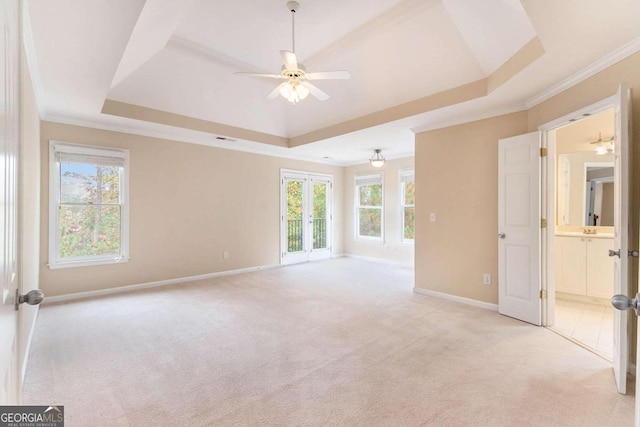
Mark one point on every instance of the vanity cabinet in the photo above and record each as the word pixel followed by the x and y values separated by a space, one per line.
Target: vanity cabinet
pixel 583 266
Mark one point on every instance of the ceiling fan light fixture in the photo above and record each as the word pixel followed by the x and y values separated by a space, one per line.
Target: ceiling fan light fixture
pixel 297 86
pixel 294 92
pixel 604 146
pixel 377 160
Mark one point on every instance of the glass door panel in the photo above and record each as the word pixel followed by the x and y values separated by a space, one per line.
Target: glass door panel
pixel 306 217
pixel 320 215
pixel 295 207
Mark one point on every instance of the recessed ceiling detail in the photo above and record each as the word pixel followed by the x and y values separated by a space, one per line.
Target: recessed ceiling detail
pixel 144 65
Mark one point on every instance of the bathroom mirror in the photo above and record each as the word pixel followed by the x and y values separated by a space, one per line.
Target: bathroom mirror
pixel 584 189
pixel 598 194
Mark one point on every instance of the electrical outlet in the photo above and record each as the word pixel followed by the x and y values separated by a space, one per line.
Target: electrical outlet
pixel 486 279
pixel 225 255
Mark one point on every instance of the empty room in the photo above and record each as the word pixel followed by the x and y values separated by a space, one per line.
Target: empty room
pixel 323 213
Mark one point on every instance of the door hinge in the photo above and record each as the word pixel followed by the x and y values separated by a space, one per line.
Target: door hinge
pixel 543 294
pixel 543 152
pixel 543 223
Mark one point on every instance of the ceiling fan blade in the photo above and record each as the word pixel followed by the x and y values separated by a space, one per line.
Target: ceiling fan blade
pixel 271 76
pixel 326 75
pixel 289 60
pixel 274 93
pixel 315 91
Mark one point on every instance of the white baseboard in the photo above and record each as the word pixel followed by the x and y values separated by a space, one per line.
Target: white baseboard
pixel 127 288
pixel 455 298
pixel 380 260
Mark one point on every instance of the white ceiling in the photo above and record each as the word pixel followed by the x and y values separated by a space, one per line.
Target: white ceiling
pixel 180 57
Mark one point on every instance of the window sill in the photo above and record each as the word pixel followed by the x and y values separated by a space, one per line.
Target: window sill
pixel 87 263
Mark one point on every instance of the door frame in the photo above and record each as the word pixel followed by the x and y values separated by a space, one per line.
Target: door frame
pixel 549 205
pixel 283 239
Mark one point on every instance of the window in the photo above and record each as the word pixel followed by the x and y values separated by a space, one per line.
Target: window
pixel 88 219
pixel 368 198
pixel 408 204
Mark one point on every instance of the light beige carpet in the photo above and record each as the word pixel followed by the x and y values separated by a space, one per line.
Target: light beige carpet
pixel 332 343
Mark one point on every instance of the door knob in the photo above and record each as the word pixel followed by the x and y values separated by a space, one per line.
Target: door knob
pixel 614 253
pixel 623 302
pixel 502 235
pixel 33 297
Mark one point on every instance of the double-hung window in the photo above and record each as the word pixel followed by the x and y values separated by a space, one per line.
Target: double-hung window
pixel 369 206
pixel 408 204
pixel 89 212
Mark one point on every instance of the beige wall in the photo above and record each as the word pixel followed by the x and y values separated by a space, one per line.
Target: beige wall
pixel 574 141
pixel 391 249
pixel 607 203
pixel 456 176
pixel 577 137
pixel 594 89
pixel 457 179
pixel 29 207
pixel 188 204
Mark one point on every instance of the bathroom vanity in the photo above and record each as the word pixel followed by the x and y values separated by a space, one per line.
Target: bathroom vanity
pixel 582 264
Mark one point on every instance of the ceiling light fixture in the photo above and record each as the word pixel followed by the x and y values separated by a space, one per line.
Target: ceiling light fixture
pixel 293 91
pixel 377 160
pixel 297 86
pixel 604 146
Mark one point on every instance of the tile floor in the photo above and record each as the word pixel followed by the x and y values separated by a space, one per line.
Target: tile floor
pixel 590 324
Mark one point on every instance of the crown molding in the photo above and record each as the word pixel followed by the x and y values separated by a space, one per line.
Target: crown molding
pixel 172 133
pixel 606 61
pixel 395 14
pixel 468 118
pixel 197 50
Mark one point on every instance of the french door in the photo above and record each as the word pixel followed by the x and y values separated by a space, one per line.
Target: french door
pixel 305 217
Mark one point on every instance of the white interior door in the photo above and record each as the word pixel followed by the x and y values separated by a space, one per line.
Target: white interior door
pixel 621 199
pixel 306 219
pixel 9 150
pixel 519 228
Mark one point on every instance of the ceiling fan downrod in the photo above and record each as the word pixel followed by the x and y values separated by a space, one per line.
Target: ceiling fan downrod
pixel 293 7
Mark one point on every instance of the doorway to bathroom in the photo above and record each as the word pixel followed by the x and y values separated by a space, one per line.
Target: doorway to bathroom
pixel 584 231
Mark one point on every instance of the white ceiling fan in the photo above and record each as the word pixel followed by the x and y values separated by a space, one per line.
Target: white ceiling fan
pixel 297 87
pixel 604 146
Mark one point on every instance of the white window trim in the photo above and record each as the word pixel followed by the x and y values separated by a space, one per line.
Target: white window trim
pixel 356 204
pixel 405 173
pixel 54 183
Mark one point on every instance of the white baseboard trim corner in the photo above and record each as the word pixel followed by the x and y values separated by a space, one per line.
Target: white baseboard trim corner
pixel 128 288
pixel 462 300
